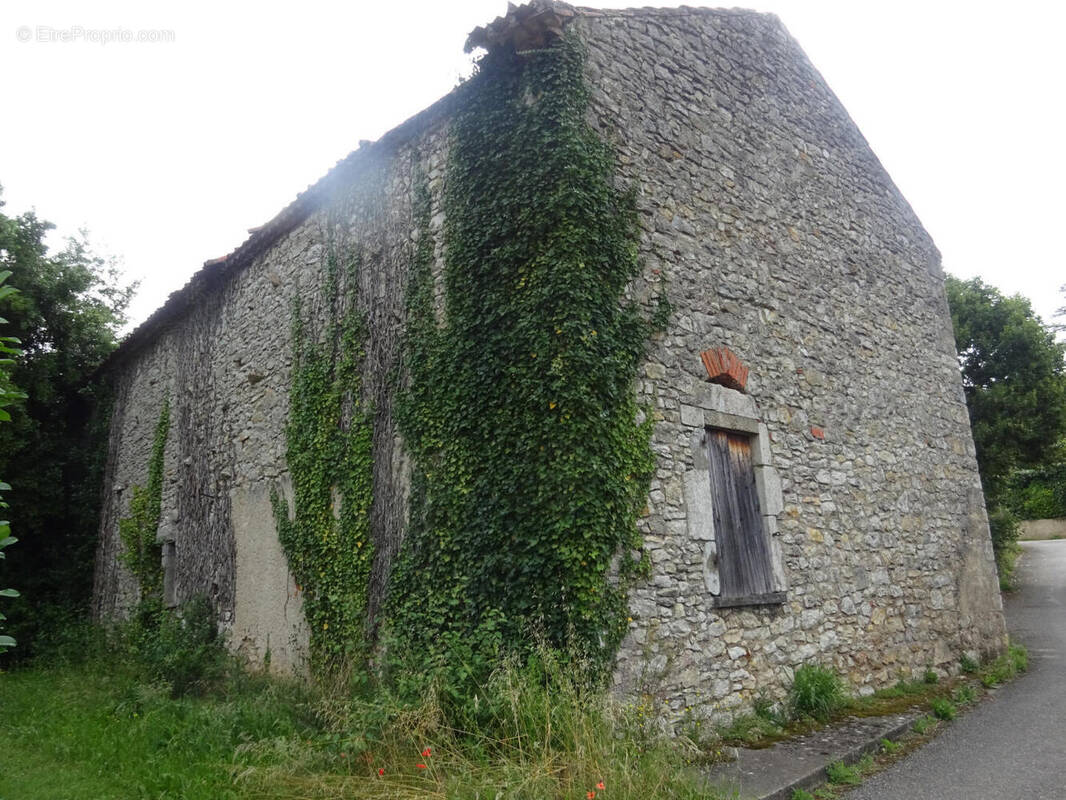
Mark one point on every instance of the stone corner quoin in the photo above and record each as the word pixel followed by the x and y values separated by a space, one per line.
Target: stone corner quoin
pixel 784 249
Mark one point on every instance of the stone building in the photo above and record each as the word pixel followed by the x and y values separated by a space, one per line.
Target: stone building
pixel 816 496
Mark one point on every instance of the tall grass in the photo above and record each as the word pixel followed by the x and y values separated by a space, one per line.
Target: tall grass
pixel 816 692
pixel 539 733
pixel 97 720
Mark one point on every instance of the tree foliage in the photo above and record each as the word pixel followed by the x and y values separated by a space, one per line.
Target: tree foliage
pixel 66 314
pixel 9 394
pixel 1014 379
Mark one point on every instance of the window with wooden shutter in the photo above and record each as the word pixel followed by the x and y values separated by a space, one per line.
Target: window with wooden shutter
pixel 744 560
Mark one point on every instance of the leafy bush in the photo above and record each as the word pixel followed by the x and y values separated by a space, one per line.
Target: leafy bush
pixel 72 639
pixel 9 394
pixel 1003 526
pixel 182 649
pixel 816 692
pixel 1039 493
pixel 968 665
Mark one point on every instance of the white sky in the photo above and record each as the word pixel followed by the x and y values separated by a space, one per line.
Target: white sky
pixel 168 151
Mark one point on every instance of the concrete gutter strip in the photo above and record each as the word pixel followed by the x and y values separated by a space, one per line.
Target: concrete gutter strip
pixel 774 773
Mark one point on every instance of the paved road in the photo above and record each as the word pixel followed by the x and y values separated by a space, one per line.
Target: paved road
pixel 1012 746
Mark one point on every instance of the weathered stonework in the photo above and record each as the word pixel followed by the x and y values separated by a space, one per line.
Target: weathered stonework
pixel 776 233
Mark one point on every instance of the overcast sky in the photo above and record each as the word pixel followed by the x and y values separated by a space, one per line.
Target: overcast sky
pixel 168 150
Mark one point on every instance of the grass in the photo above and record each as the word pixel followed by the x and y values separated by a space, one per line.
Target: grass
pixel 90 733
pixel 102 727
pixel 1006 667
pixel 944 709
pixel 943 698
pixel 849 775
pixel 112 717
pixel 923 724
pixel 816 692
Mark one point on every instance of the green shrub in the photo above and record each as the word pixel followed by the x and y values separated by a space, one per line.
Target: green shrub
pixel 922 724
pixel 1003 526
pixel 72 638
pixel 182 648
pixel 943 708
pixel 888 746
pixel 816 692
pixel 964 695
pixel 930 676
pixel 1039 493
pixel 968 665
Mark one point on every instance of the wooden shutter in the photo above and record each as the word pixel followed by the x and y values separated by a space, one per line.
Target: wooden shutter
pixel 744 562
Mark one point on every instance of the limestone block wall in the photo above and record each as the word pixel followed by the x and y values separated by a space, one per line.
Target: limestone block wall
pixel 225 365
pixel 775 232
pixel 778 234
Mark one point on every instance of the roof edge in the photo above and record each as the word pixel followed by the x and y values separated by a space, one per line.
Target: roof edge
pixel 217 271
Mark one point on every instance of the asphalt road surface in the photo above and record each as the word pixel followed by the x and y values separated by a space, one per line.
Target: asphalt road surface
pixel 1013 745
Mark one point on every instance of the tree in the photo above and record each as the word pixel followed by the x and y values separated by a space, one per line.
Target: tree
pixel 66 314
pixel 1014 379
pixel 9 394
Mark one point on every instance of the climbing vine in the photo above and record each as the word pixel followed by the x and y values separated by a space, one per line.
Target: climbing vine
pixel 530 467
pixel 142 553
pixel 326 538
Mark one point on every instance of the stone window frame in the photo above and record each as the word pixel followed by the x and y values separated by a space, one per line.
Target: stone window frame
pixel 712 406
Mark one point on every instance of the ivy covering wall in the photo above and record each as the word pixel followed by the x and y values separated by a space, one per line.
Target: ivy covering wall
pixel 326 537
pixel 142 553
pixel 530 464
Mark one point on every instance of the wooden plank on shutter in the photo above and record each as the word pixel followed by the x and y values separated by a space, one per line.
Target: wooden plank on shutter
pixel 744 561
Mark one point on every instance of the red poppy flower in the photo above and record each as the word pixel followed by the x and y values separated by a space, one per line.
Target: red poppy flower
pixel 590 795
pixel 381 771
pixel 600 785
pixel 420 766
pixel 427 752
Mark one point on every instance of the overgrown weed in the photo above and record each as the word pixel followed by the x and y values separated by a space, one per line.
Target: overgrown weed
pixel 816 692
pixel 108 725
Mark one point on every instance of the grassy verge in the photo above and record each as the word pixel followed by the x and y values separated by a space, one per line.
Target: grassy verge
pixel 943 701
pixel 818 698
pixel 105 727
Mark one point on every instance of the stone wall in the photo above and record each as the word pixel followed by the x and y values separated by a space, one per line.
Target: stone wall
pixel 226 366
pixel 776 233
